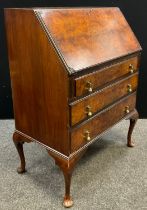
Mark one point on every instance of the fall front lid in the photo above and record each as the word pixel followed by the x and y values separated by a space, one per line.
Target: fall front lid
pixel 88 37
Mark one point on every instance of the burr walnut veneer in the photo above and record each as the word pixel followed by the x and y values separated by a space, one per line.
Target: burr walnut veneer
pixel 74 74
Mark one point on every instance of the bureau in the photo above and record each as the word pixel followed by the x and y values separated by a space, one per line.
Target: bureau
pixel 74 75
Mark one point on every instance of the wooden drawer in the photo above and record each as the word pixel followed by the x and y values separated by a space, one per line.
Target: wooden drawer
pixel 88 83
pixel 85 108
pixel 87 131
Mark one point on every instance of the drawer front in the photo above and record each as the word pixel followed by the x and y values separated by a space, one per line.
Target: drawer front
pixel 85 108
pixel 88 83
pixel 84 133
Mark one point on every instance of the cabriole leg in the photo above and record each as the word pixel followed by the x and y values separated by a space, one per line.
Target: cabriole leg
pixel 67 167
pixel 17 139
pixel 68 202
pixel 133 120
pixel 19 147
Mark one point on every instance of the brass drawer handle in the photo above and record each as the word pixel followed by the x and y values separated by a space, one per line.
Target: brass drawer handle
pixel 129 86
pixel 127 111
pixel 87 135
pixel 89 87
pixel 88 111
pixel 131 68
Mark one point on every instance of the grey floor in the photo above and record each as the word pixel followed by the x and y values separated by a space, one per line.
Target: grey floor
pixel 109 176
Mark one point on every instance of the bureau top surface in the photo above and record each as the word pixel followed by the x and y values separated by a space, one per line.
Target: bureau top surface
pixel 86 37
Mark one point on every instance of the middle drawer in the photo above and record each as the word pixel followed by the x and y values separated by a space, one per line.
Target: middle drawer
pixel 88 106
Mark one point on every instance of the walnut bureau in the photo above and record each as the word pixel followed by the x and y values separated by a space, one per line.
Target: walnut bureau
pixel 74 74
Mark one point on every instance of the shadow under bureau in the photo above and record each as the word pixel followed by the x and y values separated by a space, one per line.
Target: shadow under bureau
pixel 74 74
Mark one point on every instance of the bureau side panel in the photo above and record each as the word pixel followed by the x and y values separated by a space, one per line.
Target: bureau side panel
pixel 39 81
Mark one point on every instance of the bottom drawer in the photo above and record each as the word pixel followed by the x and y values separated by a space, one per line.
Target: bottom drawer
pixel 88 130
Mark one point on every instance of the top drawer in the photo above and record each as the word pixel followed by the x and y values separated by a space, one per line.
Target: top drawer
pixel 88 83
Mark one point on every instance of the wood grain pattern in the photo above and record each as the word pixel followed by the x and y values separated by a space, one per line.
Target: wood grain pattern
pixel 101 122
pixel 89 36
pixel 102 98
pixel 104 76
pixel 39 81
